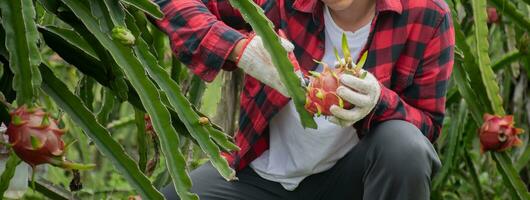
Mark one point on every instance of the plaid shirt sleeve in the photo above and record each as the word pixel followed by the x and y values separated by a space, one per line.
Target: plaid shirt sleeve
pixel 422 103
pixel 198 37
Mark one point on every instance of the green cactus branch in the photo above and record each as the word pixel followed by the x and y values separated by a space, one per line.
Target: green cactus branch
pixel 9 171
pixel 253 14
pixel 149 96
pixel 184 110
pixel 75 109
pixel 507 59
pixel 21 43
pixel 147 6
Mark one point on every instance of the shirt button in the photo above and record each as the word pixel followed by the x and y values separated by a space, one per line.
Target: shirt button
pixel 320 46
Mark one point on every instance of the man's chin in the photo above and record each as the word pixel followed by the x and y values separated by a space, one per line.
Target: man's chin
pixel 338 5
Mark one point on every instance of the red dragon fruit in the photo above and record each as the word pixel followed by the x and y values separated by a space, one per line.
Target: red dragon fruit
pixel 493 16
pixel 498 133
pixel 321 91
pixel 36 139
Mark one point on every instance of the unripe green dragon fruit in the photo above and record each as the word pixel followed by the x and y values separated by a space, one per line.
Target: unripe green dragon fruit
pixel 36 139
pixel 322 89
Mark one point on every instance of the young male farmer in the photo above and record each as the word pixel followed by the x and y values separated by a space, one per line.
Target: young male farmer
pixel 380 149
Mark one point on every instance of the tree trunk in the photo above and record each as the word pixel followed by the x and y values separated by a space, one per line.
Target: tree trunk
pixel 228 107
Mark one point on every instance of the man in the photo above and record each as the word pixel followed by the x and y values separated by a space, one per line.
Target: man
pixel 398 108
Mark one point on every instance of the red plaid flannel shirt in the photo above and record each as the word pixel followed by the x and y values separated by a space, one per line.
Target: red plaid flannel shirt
pixel 410 51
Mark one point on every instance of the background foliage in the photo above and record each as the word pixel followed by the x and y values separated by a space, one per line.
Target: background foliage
pixel 61 55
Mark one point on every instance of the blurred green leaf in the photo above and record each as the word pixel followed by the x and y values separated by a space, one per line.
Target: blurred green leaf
pixel 76 51
pixel 524 159
pixel 483 59
pixel 162 180
pixel 9 171
pixel 197 87
pixel 510 176
pixel 115 11
pixel 223 140
pixel 474 175
pixel 466 71
pixel 107 104
pixel 465 89
pixel 100 12
pixel 108 19
pixel 18 21
pixel 345 48
pixel 51 191
pixel 147 6
pixel 85 91
pixel 142 139
pixel 506 59
pixel 451 155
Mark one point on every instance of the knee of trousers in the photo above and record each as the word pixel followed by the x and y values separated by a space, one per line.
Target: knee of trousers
pixel 402 149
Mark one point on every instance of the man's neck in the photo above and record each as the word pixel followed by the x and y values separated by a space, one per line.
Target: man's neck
pixel 354 17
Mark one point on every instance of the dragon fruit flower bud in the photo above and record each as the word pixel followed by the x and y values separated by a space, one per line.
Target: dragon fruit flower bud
pixel 123 35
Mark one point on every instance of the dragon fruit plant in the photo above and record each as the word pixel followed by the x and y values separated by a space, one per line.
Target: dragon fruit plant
pixel 322 89
pixel 498 133
pixel 36 138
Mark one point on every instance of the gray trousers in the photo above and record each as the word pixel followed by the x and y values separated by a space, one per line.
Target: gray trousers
pixel 394 161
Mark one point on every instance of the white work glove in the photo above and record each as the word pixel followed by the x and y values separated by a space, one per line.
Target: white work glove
pixel 256 62
pixel 362 93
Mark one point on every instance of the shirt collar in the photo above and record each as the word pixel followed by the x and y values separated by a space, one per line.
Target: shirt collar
pixel 310 6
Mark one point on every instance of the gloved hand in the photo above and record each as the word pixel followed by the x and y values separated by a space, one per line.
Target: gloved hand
pixel 362 93
pixel 256 62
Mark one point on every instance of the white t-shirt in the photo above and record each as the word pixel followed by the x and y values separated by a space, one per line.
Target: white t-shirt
pixel 294 152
